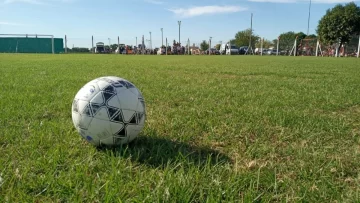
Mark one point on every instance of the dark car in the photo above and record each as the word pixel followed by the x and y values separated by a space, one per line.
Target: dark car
pixel 243 50
pixel 213 51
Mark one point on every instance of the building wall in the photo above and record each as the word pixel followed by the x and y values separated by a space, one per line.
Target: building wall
pixel 30 45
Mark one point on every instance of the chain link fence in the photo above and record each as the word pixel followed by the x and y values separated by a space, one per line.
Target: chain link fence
pixel 150 45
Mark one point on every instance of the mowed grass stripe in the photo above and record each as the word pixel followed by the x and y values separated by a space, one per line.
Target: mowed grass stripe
pixel 219 128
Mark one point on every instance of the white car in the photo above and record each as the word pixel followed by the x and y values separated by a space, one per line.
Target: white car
pixel 161 51
pixel 224 49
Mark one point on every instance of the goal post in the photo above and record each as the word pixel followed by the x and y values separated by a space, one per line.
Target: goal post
pixel 294 48
pixel 308 47
pixel 358 51
pixel 29 36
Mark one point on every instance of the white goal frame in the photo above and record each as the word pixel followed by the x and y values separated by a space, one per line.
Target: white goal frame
pixel 33 35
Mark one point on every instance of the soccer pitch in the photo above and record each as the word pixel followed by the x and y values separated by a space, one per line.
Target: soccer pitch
pixel 218 128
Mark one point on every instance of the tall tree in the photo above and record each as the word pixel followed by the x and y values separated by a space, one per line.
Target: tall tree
pixel 266 44
pixel 339 24
pixel 287 39
pixel 217 47
pixel 242 38
pixel 113 47
pixel 204 45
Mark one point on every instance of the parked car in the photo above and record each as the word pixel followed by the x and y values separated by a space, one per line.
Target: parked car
pixel 161 51
pixel 225 49
pixel 213 51
pixel 271 52
pixel 243 50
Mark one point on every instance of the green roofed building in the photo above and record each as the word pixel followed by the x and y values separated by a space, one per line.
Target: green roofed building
pixel 30 45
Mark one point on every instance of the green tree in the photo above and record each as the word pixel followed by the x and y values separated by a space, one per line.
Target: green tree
pixel 242 38
pixel 113 47
pixel 218 46
pixel 204 45
pixel 266 44
pixel 339 24
pixel 287 39
pixel 78 50
pixel 312 36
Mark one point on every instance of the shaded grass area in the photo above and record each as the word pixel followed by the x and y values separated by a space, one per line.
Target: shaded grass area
pixel 219 128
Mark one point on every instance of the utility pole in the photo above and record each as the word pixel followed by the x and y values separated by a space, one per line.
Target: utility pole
pixel 92 44
pixel 166 47
pixel 118 45
pixel 358 52
pixel 65 44
pixel 179 22
pixel 136 42
pixel 162 37
pixel 309 18
pixel 250 45
pixel 150 41
pixel 210 45
pixel 188 46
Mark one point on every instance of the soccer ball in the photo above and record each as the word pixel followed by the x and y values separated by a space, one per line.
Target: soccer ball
pixel 109 111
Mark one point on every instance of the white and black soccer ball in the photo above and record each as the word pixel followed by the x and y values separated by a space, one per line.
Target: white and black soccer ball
pixel 109 111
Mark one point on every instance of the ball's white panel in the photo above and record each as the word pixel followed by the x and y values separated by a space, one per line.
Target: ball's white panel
pixel 99 128
pixel 102 84
pixel 136 92
pixel 133 131
pixel 107 141
pixel 114 102
pixel 128 100
pixel 93 139
pixel 113 78
pixel 116 127
pixel 140 94
pixel 115 141
pixel 87 92
pixel 128 115
pixel 81 121
pixel 141 106
pixel 82 105
pixel 102 114
pixel 98 98
pixel 82 132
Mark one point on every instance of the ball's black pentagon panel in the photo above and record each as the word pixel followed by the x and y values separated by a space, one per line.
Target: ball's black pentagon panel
pixel 95 108
pixel 118 117
pixel 98 98
pixel 110 89
pixel 87 111
pixel 140 118
pixel 112 111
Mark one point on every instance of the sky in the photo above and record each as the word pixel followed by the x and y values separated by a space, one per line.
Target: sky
pixel 107 20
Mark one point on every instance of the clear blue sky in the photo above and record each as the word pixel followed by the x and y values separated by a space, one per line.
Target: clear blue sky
pixel 221 19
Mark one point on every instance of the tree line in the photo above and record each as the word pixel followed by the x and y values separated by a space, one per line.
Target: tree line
pixel 338 25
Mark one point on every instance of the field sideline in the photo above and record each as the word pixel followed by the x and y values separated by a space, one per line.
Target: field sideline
pixel 219 128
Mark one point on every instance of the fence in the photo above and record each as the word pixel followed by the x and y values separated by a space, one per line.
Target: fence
pixel 30 43
pixel 147 44
pixel 308 46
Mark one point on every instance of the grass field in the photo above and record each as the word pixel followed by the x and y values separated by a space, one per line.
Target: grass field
pixel 218 129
